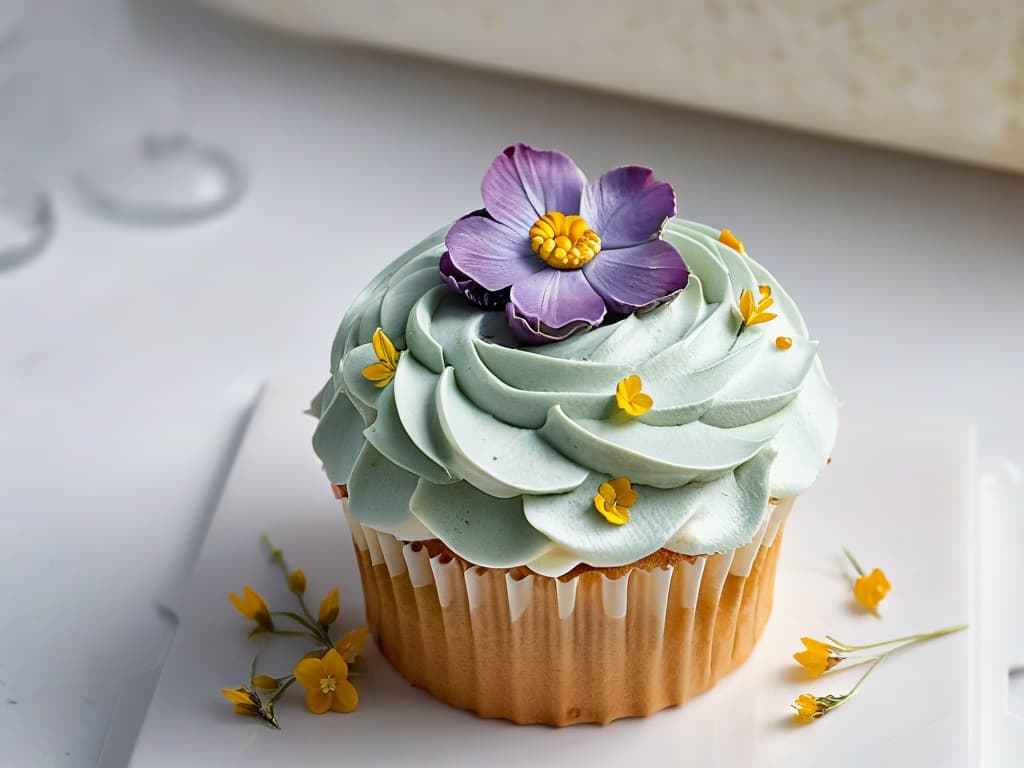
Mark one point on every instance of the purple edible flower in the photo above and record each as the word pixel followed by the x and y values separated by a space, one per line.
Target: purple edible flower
pixel 463 284
pixel 560 254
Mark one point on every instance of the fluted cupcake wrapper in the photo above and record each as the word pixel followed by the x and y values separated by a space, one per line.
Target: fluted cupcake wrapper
pixel 535 649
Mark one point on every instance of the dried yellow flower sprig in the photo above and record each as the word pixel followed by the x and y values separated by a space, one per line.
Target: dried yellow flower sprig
pixel 257 699
pixel 809 707
pixel 819 657
pixel 869 589
pixel 323 672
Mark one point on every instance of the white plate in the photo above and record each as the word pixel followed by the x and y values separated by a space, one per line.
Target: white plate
pixel 898 493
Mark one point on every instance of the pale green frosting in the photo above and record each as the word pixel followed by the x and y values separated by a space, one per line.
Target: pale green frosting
pixel 499 450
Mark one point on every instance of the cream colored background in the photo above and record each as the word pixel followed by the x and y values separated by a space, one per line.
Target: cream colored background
pixel 943 77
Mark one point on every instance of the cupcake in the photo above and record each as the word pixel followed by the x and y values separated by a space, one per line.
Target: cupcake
pixel 567 431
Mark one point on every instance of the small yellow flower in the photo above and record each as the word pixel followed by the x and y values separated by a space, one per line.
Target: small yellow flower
pixel 383 371
pixel 329 608
pixel 297 581
pixel 352 644
pixel 728 238
pixel 253 607
pixel 754 313
pixel 818 657
pixel 614 499
pixel 631 398
pixel 266 682
pixel 870 589
pixel 808 708
pixel 326 683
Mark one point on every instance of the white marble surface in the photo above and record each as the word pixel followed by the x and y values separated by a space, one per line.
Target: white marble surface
pixel 812 597
pixel 129 358
pixel 944 77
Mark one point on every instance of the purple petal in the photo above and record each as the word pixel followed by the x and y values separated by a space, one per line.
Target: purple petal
pixel 490 253
pixel 637 278
pixel 468 288
pixel 524 183
pixel 552 305
pixel 627 206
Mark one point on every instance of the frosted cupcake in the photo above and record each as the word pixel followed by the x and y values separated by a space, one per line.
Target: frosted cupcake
pixel 567 431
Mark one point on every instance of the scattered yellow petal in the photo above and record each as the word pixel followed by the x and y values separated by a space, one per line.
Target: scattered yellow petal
pixel 383 371
pixel 818 657
pixel 870 589
pixel 297 581
pixel 613 500
pixel 631 398
pixel 329 608
pixel 352 644
pixel 783 342
pixel 728 238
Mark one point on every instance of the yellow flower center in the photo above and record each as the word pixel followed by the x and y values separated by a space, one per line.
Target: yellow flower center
pixel 564 242
pixel 327 684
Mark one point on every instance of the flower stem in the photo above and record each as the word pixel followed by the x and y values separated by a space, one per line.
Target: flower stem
pixel 853 561
pixel 294 633
pixel 313 621
pixel 310 623
pixel 907 640
pixel 282 689
pixel 314 630
pixel 276 555
pixel 865 675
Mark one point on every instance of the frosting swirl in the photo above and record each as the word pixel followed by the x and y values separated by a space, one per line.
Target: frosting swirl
pixel 498 450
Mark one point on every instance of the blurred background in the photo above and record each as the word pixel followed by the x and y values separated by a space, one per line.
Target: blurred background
pixel 192 193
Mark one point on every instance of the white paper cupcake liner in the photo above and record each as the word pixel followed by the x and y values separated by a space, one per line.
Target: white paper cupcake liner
pixel 532 649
